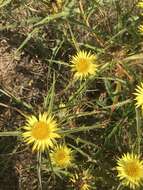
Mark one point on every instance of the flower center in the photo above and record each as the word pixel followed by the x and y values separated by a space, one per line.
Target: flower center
pixel 132 169
pixel 40 131
pixel 61 156
pixel 83 65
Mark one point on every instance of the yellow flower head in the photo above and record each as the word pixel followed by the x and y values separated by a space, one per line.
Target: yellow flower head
pixel 62 156
pixel 141 29
pixel 40 132
pixel 140 4
pixel 139 96
pixel 82 180
pixel 130 170
pixel 83 65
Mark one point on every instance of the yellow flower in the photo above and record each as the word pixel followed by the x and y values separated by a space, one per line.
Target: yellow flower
pixel 40 132
pixel 139 96
pixel 130 170
pixel 83 64
pixel 141 29
pixel 140 4
pixel 62 156
pixel 82 180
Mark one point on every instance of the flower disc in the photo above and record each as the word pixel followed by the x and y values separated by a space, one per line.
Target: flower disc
pixel 40 132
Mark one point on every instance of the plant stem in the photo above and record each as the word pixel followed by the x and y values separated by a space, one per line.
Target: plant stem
pixel 9 133
pixel 39 169
pixel 49 158
pixel 138 124
pixel 119 187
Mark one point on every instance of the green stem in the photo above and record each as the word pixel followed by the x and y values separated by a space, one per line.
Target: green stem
pixel 119 187
pixel 138 124
pixel 39 170
pixel 49 158
pixel 75 130
pixel 9 134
